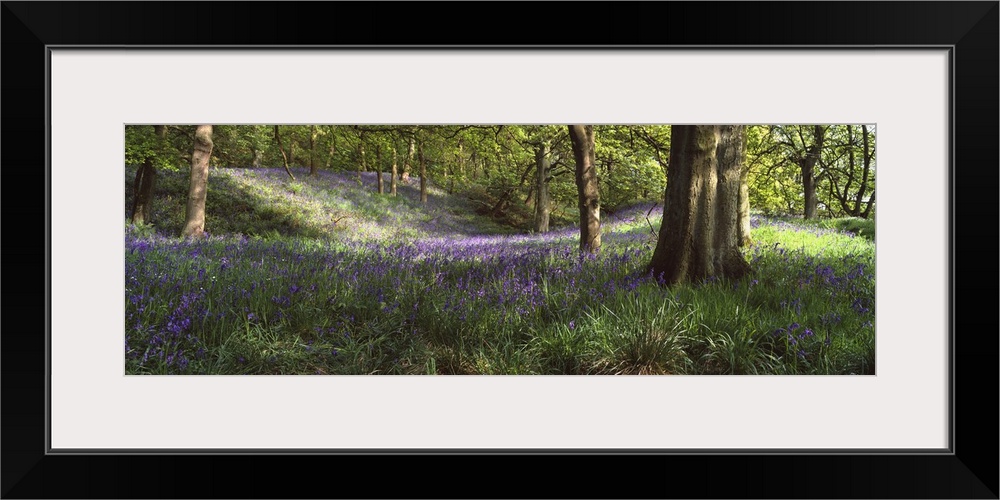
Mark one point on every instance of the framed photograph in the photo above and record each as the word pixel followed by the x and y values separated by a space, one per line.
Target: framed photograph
pixel 924 74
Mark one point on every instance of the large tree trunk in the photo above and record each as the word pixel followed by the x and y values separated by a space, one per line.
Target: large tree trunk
pixel 194 225
pixel 405 175
pixel 582 137
pixel 392 178
pixel 378 168
pixel 699 234
pixel 541 187
pixel 284 157
pixel 808 165
pixel 423 175
pixel 145 182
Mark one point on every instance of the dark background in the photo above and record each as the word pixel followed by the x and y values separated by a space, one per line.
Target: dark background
pixel 970 472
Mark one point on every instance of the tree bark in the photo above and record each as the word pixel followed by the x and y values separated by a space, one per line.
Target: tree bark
pixel 541 187
pixel 582 137
pixel 284 157
pixel 392 178
pixel 423 175
pixel 698 237
pixel 194 225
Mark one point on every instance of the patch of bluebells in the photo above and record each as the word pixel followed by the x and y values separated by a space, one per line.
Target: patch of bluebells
pixel 797 337
pixel 448 278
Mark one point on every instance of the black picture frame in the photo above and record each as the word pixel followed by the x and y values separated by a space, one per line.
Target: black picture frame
pixel 968 470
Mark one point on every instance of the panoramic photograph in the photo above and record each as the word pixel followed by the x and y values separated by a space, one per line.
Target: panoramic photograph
pixel 407 249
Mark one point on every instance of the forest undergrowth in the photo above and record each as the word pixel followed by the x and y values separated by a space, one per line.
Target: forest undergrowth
pixel 321 276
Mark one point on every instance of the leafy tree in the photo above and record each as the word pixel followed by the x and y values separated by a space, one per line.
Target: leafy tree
pixel 632 161
pixel 150 149
pixel 851 171
pixel 803 146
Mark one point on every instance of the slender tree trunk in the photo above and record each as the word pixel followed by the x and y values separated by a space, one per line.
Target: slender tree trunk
pixel 844 198
pixel 423 175
pixel 541 187
pixel 255 157
pixel 808 166
pixel 582 137
pixel 405 175
pixel 142 201
pixel 809 187
pixel 392 178
pixel 868 208
pixel 194 225
pixel 859 199
pixel 333 147
pixel 313 170
pixel 450 169
pixel 378 168
pixel 145 182
pixel 699 234
pixel 284 157
pixel 361 155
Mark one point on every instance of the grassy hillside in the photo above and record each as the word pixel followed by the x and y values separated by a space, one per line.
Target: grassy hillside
pixel 267 202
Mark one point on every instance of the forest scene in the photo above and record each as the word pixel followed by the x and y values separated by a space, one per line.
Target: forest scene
pixel 499 249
